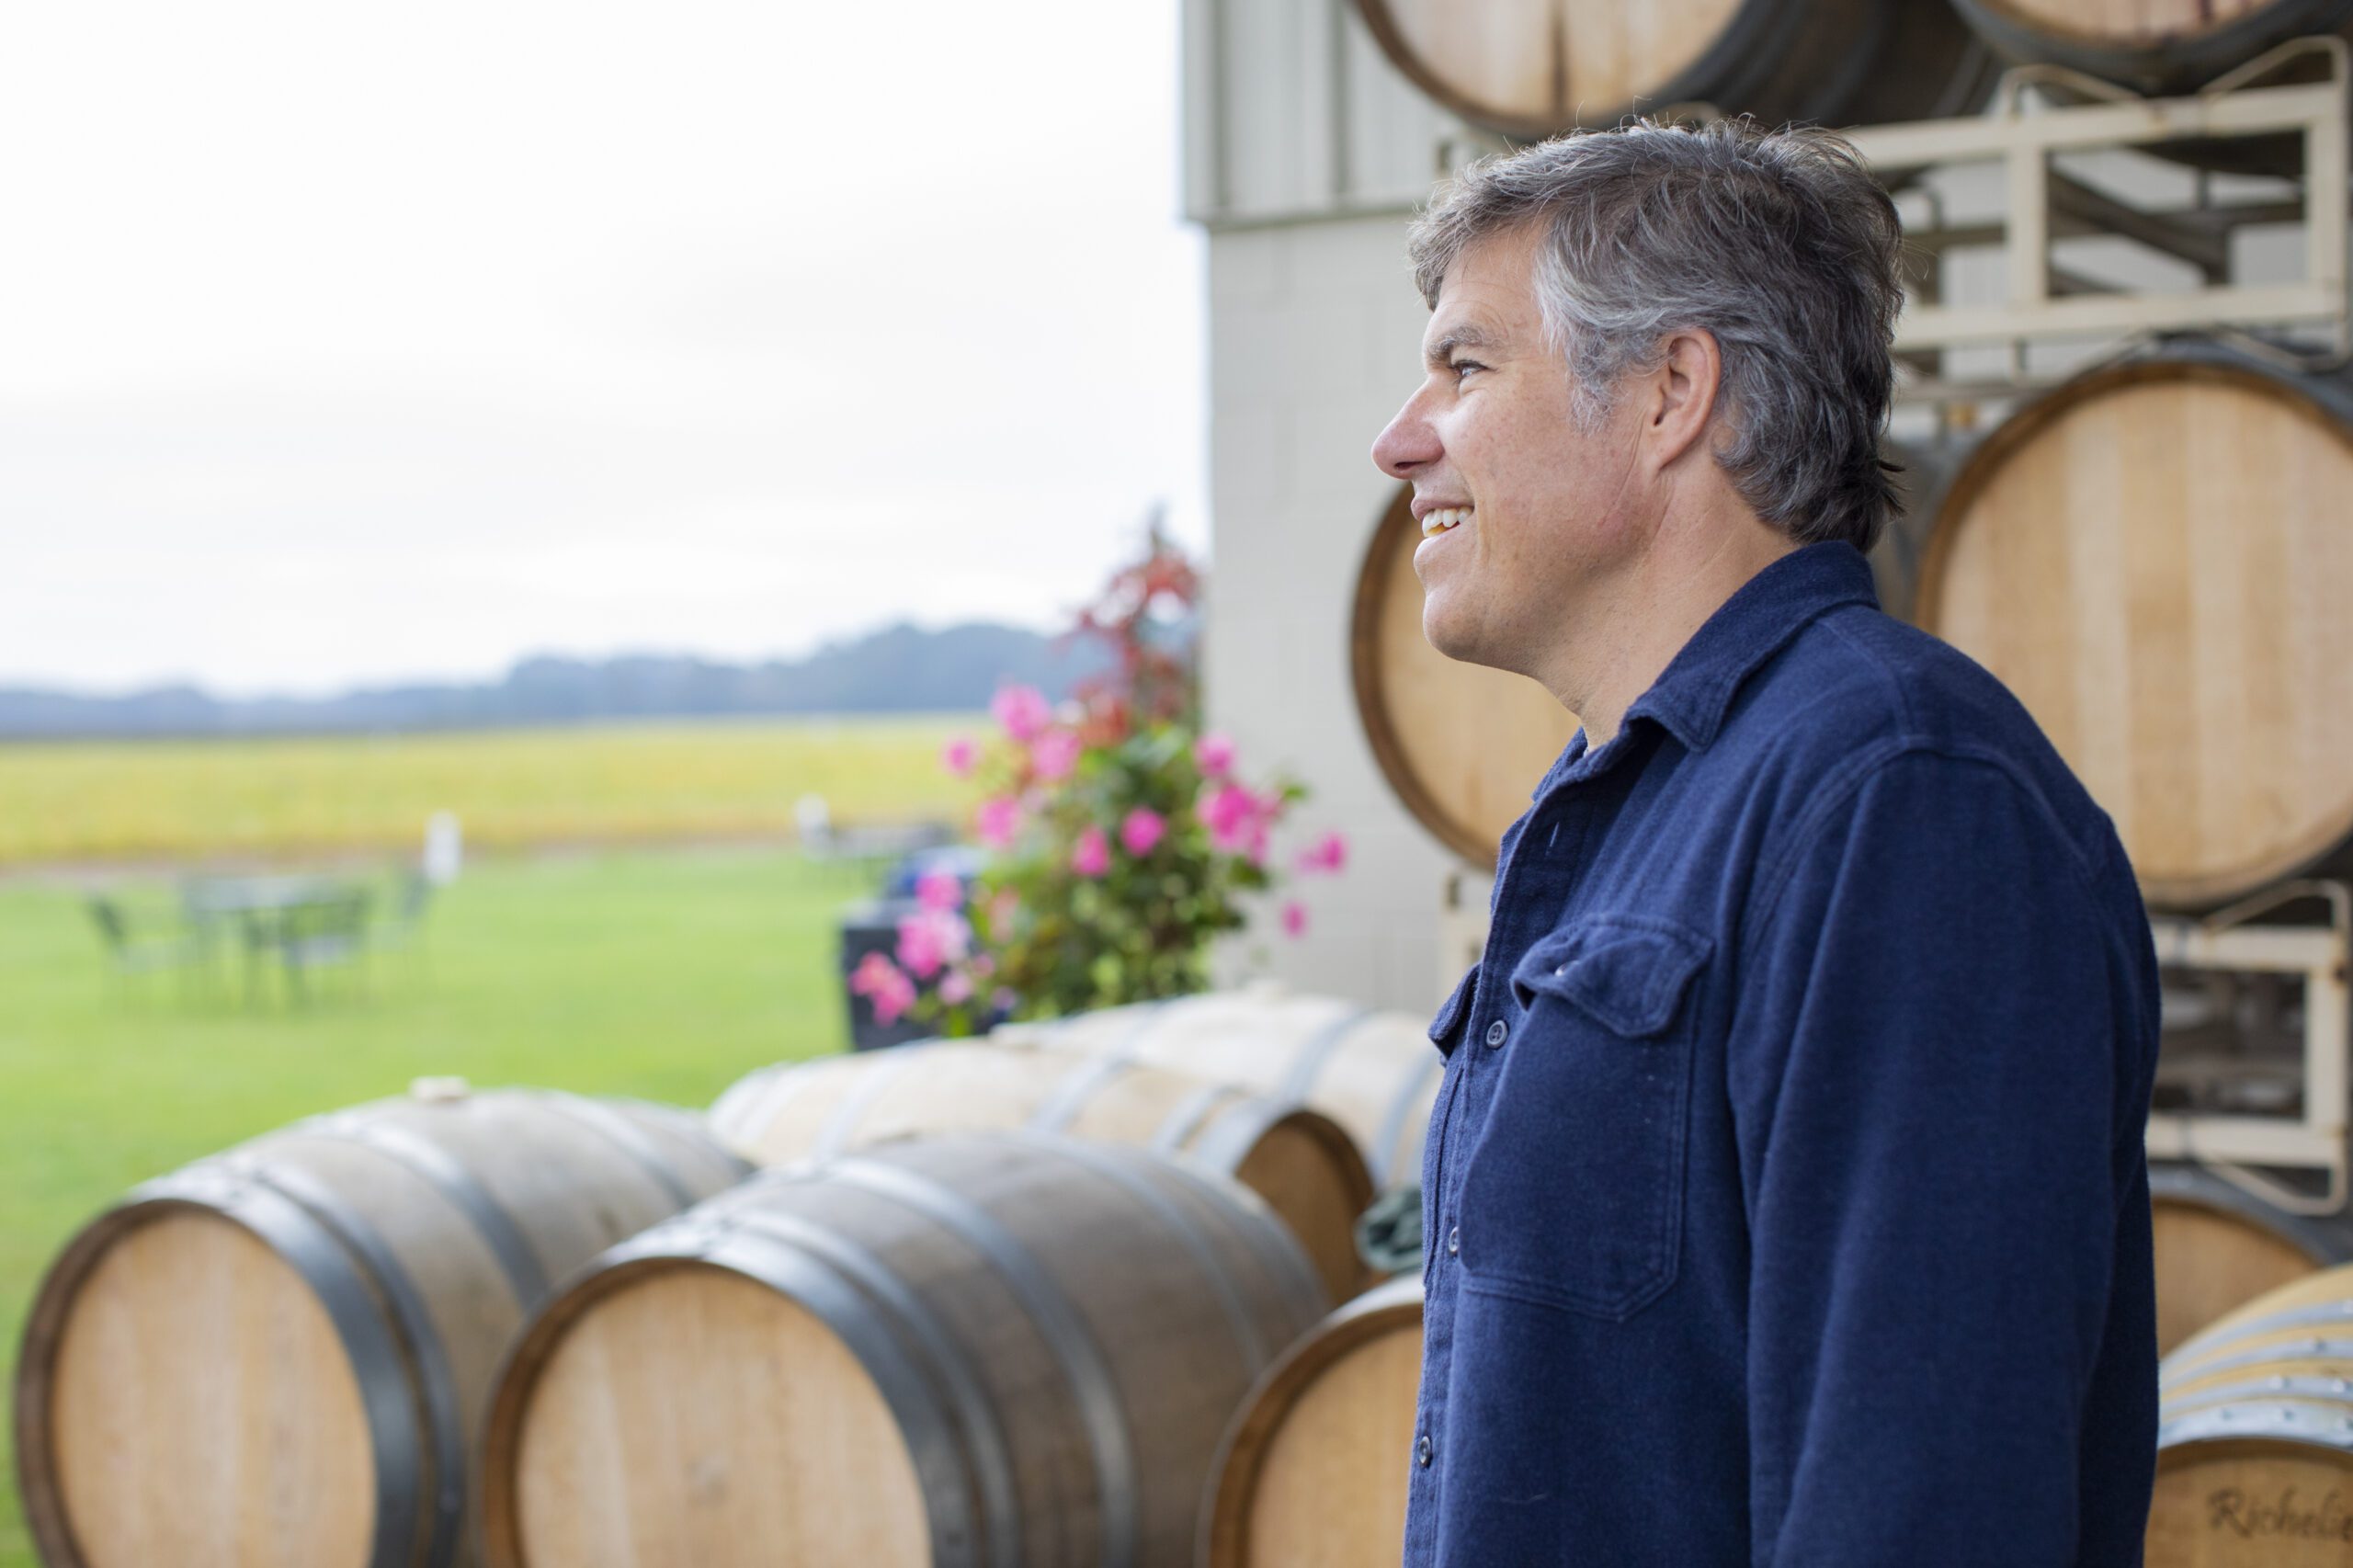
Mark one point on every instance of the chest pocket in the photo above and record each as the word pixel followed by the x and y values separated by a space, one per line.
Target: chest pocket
pixel 1574 1192
pixel 1449 1022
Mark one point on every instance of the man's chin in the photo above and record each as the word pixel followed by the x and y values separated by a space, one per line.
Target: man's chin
pixel 1455 642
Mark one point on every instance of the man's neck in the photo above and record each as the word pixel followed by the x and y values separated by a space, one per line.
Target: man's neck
pixel 1632 631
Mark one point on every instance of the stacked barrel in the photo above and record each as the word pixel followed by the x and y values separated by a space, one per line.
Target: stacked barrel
pixel 994 1304
pixel 2255 1439
pixel 279 1358
pixel 976 1348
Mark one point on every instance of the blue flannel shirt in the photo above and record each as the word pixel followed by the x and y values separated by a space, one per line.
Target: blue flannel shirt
pixel 1785 1193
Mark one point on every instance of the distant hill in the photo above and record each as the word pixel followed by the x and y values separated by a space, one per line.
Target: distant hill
pixel 900 669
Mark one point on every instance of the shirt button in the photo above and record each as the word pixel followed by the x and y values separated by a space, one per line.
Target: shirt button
pixel 1454 1242
pixel 1423 1451
pixel 1496 1032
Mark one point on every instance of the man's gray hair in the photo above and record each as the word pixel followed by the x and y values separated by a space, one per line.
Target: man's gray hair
pixel 1779 243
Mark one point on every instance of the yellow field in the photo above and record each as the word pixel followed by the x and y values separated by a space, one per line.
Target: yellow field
pixel 191 799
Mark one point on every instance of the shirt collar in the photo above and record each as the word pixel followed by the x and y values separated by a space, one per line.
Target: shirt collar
pixel 1690 699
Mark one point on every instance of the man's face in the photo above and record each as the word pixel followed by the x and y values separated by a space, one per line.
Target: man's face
pixel 1525 516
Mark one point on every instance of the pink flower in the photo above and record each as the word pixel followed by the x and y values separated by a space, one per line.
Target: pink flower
pixel 1023 711
pixel 886 984
pixel 1055 755
pixel 940 890
pixel 1329 853
pixel 930 940
pixel 999 820
pixel 1236 819
pixel 1004 999
pixel 1093 856
pixel 956 989
pixel 1143 828
pixel 1295 919
pixel 960 756
pixel 872 973
pixel 1214 754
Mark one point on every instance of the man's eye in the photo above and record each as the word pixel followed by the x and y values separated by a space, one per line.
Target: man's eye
pixel 1463 368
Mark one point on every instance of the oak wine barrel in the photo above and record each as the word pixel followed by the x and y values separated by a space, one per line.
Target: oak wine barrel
pixel 2220 1246
pixel 2153 46
pixel 1313 1473
pixel 2255 1436
pixel 1299 1161
pixel 1529 71
pixel 278 1357
pixel 979 1350
pixel 2155 559
pixel 1372 1070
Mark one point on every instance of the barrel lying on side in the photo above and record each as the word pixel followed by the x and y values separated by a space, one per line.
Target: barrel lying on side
pixel 1302 1161
pixel 2157 549
pixel 2255 1436
pixel 1372 1070
pixel 1533 70
pixel 1313 1473
pixel 2219 1246
pixel 2155 46
pixel 980 1350
pixel 278 1357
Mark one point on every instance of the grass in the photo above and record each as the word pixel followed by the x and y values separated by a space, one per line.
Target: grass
pixel 145 801
pixel 666 975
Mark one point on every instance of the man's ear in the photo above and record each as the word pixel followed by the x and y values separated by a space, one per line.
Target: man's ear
pixel 1683 394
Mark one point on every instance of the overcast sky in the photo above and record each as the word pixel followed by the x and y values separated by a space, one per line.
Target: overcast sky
pixel 344 344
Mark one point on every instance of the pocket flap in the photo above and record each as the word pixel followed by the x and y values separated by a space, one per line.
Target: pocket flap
pixel 1629 972
pixel 1450 1011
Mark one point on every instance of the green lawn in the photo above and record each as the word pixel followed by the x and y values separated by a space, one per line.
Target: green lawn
pixel 661 975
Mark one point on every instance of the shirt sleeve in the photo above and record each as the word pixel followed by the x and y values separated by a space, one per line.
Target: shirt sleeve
pixel 1932 1081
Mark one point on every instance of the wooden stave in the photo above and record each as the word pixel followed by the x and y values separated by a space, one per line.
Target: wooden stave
pixel 1764 61
pixel 1288 1300
pixel 2324 1241
pixel 1227 1128
pixel 1235 1476
pixel 1323 1068
pixel 393 1326
pixel 2325 846
pixel 2316 1307
pixel 2176 64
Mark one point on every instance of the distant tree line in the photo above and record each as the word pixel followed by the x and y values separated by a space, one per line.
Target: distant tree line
pixel 900 669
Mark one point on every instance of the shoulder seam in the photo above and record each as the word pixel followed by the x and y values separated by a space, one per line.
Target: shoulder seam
pixel 1886 677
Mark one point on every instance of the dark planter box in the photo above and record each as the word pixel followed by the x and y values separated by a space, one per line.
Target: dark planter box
pixel 874 927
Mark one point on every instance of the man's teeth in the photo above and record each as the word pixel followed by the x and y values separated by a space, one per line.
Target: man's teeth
pixel 1440 519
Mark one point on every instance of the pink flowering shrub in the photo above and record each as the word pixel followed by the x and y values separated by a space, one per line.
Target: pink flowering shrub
pixel 1124 840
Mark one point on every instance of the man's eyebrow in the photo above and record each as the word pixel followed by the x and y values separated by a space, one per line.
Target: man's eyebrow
pixel 1467 336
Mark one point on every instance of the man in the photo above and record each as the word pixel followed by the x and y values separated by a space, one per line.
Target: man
pixel 1785 1195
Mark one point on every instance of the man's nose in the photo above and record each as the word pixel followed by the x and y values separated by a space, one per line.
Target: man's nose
pixel 1407 443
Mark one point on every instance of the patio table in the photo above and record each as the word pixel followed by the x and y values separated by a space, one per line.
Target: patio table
pixel 298 919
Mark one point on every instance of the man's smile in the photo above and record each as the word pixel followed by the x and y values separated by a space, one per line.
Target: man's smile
pixel 1438 519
